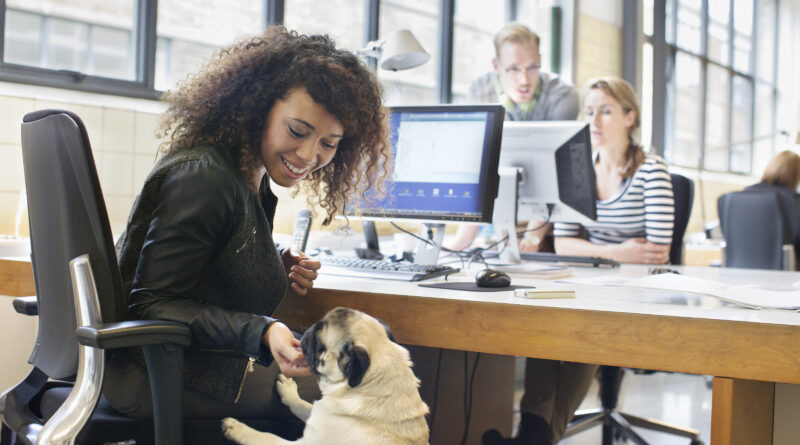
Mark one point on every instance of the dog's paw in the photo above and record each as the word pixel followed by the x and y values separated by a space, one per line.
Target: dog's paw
pixel 287 388
pixel 233 429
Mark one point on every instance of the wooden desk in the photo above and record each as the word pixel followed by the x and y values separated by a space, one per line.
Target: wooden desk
pixel 746 350
pixel 16 277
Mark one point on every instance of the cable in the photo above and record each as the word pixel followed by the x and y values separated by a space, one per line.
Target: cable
pixel 435 393
pixel 476 253
pixel 469 381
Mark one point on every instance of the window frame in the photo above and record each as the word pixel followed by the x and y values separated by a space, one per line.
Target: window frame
pixel 664 57
pixel 145 38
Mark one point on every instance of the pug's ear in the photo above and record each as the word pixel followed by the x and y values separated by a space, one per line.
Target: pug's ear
pixel 354 362
pixel 388 330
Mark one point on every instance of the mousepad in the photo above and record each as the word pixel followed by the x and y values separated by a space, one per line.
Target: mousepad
pixel 472 287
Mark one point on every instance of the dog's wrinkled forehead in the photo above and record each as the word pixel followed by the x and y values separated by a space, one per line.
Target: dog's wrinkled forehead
pixel 348 322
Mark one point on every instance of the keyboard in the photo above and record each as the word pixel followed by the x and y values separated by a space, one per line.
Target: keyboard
pixel 357 267
pixel 572 259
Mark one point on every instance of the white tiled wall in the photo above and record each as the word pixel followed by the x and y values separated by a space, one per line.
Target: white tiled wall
pixel 598 49
pixel 123 143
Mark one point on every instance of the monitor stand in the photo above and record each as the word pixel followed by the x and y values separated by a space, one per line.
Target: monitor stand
pixel 373 250
pixel 426 253
pixel 504 217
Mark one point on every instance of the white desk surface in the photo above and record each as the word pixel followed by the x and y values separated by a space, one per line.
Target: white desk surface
pixel 609 298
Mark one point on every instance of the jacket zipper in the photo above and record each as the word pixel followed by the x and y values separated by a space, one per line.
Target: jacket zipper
pixel 247 241
pixel 247 370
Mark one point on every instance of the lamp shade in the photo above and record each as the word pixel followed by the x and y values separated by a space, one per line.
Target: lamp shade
pixel 402 51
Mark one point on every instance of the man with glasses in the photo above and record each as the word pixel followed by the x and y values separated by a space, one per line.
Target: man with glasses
pixel 553 389
pixel 517 82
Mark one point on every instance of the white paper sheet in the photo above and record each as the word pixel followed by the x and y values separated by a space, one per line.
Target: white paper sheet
pixel 745 295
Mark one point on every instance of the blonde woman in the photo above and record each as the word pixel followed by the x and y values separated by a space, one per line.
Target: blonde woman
pixel 635 205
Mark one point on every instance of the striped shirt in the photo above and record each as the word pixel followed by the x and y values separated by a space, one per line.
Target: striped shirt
pixel 643 207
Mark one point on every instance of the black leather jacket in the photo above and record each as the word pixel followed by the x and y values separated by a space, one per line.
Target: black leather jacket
pixel 198 249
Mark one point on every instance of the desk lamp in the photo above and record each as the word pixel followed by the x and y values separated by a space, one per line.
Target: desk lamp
pixel 401 51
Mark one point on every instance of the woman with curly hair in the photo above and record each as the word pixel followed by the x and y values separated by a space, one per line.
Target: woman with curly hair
pixel 198 247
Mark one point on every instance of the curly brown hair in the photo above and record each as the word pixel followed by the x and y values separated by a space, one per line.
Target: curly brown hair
pixel 226 103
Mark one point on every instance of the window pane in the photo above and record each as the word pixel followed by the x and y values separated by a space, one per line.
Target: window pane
pixel 685 141
pixel 416 85
pixel 743 34
pixel 342 20
pixel 717 124
pixel 741 131
pixel 66 45
pixel 93 38
pixel 670 19
pixel 718 30
pixel 476 22
pixel 23 44
pixel 787 117
pixel 764 132
pixel 536 14
pixel 647 17
pixel 765 40
pixel 109 55
pixel 689 24
pixel 189 34
pixel 647 95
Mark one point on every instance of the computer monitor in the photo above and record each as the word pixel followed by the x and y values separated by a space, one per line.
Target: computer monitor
pixel 547 173
pixel 445 160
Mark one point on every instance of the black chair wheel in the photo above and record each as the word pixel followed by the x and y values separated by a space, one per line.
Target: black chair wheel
pixel 697 442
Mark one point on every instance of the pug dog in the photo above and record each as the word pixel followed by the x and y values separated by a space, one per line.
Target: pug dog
pixel 370 396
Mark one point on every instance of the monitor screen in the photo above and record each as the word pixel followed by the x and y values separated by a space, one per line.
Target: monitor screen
pixel 557 175
pixel 445 164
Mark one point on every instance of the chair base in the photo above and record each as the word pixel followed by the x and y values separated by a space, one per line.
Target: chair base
pixel 617 424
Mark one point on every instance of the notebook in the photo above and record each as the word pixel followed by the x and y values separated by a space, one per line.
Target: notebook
pixel 536 270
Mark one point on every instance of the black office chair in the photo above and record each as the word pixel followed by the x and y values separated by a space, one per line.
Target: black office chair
pixel 683 191
pixel 81 309
pixel 759 228
pixel 616 423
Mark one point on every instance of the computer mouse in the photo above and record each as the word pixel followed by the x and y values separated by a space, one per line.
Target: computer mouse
pixel 492 278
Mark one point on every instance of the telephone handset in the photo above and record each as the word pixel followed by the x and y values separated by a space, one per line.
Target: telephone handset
pixel 301 228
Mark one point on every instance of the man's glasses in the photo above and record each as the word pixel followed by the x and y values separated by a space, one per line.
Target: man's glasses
pixel 515 70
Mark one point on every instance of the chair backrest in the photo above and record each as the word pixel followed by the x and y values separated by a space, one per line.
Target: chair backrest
pixel 683 191
pixel 756 225
pixel 68 218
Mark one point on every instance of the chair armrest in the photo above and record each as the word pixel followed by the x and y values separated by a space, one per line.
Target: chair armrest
pixel 124 334
pixel 26 305
pixel 789 259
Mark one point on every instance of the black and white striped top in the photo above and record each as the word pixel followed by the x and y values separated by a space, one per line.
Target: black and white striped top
pixel 643 207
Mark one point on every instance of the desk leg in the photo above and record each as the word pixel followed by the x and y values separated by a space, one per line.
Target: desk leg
pixel 742 412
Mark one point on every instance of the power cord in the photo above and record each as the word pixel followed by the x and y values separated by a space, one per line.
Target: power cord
pixel 435 393
pixel 469 381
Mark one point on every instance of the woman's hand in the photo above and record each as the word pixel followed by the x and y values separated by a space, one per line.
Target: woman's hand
pixel 639 250
pixel 300 269
pixel 286 350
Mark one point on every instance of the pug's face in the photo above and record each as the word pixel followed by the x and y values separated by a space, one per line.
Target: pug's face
pixel 339 346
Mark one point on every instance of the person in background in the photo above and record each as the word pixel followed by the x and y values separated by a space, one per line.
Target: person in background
pixel 635 210
pixel 198 248
pixel 528 94
pixel 635 205
pixel 782 175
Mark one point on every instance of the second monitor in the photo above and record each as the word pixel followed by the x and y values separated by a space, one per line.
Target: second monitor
pixel 547 174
